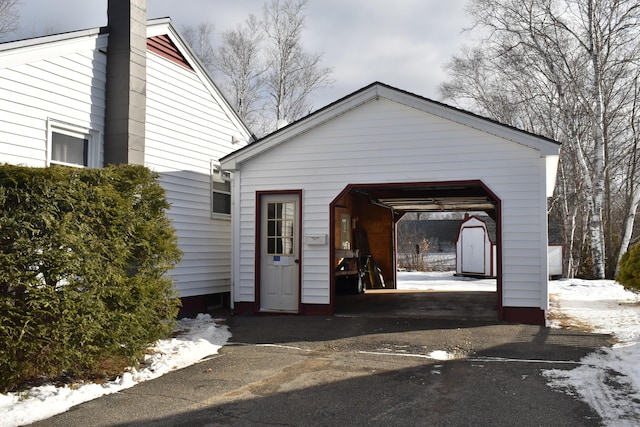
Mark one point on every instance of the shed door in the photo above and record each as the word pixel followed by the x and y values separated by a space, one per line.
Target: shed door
pixel 280 258
pixel 473 250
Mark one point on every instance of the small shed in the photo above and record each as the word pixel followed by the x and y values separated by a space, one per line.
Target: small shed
pixel 476 249
pixel 555 260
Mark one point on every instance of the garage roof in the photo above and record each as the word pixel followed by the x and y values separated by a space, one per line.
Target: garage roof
pixel 546 146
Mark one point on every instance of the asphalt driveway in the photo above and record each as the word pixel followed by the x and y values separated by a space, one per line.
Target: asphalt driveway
pixel 322 371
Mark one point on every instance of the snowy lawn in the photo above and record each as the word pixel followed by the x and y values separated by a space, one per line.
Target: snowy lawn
pixel 608 380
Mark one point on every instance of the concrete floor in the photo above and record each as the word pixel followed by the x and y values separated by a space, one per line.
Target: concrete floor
pixel 460 305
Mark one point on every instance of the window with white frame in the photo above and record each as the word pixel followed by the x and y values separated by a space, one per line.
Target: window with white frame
pixel 220 191
pixel 71 145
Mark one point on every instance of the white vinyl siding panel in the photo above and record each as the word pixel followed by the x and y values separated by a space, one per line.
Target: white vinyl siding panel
pixel 185 129
pixel 63 78
pixel 68 88
pixel 386 142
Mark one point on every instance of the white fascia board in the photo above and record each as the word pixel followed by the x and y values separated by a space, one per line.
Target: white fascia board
pixel 158 27
pixel 544 230
pixel 229 164
pixel 40 48
pixel 543 145
pixel 551 169
pixel 232 161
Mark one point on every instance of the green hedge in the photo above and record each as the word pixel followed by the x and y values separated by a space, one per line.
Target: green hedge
pixel 83 260
pixel 629 271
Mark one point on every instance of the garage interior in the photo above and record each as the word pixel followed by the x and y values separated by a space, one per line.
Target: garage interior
pixel 365 239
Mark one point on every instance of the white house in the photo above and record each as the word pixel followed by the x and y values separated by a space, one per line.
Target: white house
pixel 339 179
pixel 131 92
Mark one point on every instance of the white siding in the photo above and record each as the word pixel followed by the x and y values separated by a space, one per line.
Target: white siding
pixel 64 79
pixel 67 85
pixel 185 130
pixel 383 141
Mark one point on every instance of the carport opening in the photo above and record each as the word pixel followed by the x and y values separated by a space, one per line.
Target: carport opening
pixel 370 250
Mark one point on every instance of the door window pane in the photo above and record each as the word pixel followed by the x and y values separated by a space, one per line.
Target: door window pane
pixel 280 223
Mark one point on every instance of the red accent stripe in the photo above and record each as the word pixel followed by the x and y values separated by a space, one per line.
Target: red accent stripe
pixel 163 46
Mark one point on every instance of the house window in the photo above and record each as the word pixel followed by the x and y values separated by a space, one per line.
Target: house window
pixel 220 192
pixel 71 145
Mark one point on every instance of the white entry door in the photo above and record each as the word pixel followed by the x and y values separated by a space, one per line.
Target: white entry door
pixel 280 258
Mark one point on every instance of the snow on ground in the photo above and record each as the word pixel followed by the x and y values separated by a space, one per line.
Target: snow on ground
pixel 442 281
pixel 196 340
pixel 608 380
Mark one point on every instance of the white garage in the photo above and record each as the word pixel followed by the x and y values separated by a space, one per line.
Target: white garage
pixel 335 183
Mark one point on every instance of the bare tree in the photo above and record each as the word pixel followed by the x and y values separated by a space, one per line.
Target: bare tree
pixel 266 73
pixel 292 73
pixel 564 66
pixel 238 58
pixel 200 40
pixel 631 170
pixel 8 16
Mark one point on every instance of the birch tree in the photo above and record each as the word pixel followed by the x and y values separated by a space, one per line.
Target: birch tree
pixel 631 169
pixel 200 39
pixel 265 71
pixel 292 73
pixel 239 58
pixel 565 65
pixel 8 16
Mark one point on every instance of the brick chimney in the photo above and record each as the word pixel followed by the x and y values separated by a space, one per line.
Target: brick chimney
pixel 126 89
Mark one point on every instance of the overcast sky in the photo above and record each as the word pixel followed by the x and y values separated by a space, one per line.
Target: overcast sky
pixel 403 43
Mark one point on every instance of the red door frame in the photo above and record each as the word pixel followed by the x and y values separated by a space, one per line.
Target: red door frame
pixel 471 183
pixel 258 243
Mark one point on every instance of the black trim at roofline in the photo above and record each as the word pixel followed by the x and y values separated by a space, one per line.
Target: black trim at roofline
pixel 469 113
pixel 364 89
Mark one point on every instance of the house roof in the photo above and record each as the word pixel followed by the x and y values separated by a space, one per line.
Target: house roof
pixel 27 50
pixel 43 40
pixel 376 90
pixel 162 39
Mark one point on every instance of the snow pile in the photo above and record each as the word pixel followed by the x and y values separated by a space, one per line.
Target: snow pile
pixel 604 306
pixel 441 355
pixel 609 380
pixel 196 340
